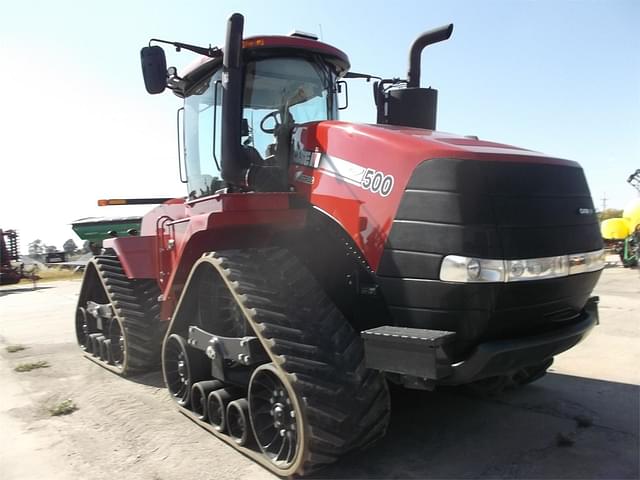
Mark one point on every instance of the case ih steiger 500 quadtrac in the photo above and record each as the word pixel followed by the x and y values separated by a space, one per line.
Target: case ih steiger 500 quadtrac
pixel 314 260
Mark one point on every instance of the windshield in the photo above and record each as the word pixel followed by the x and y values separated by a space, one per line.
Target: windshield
pixel 278 93
pixel 285 91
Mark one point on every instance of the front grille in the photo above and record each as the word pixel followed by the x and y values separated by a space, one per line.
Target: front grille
pixel 487 209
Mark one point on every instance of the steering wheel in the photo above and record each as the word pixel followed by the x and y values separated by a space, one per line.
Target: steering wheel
pixel 273 115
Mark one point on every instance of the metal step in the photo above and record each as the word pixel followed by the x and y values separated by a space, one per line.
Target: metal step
pixel 414 352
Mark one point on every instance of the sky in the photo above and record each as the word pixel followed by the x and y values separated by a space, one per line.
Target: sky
pixel 560 77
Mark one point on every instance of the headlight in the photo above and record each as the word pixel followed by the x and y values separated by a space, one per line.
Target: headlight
pixel 536 268
pixel 586 262
pixel 456 268
pixel 464 269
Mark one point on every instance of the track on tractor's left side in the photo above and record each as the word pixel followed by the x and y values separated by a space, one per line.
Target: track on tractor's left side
pixel 124 334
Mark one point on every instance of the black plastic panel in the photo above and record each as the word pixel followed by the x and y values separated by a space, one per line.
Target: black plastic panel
pixel 435 206
pixel 480 312
pixel 399 263
pixel 492 210
pixel 444 238
pixel 519 242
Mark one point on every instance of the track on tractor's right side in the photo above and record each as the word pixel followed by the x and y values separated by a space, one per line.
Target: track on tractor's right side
pixel 313 351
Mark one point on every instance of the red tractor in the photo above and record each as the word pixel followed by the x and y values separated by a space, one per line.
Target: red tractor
pixel 12 270
pixel 313 261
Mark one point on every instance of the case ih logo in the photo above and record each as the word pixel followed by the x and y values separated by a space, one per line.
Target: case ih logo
pixel 586 211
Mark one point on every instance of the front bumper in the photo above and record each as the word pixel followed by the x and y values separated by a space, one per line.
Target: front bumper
pixel 420 354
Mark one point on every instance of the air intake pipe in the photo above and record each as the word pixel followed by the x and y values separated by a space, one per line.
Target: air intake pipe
pixel 233 170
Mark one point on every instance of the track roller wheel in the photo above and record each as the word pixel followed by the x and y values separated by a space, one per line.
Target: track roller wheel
pixel 94 347
pixel 217 402
pixel 97 346
pixel 104 353
pixel 108 354
pixel 275 416
pixel 181 369
pixel 238 422
pixel 199 394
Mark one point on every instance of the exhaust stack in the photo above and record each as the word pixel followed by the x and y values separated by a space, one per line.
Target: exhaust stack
pixel 233 171
pixel 410 105
pixel 430 37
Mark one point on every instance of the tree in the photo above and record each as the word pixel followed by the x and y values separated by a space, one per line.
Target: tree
pixel 609 213
pixel 50 248
pixel 70 246
pixel 36 248
pixel 86 246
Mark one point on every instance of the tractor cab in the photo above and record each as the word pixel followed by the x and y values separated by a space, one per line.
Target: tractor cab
pixel 241 104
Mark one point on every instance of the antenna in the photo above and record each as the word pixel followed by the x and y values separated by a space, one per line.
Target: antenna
pixel 604 202
pixel 320 29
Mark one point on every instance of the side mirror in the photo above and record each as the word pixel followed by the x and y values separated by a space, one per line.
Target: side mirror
pixel 154 69
pixel 343 95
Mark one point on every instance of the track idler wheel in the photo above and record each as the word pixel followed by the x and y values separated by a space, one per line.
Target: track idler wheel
pixel 83 329
pixel 181 368
pixel 217 403
pixel 199 395
pixel 238 423
pixel 116 338
pixel 275 416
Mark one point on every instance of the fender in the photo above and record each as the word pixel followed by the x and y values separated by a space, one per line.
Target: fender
pixel 133 253
pixel 219 222
pixel 339 265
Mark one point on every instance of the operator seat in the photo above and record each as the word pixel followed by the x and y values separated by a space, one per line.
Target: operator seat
pixel 251 156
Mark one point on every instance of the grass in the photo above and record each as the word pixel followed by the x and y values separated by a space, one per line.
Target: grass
pixel 15 348
pixel 51 274
pixel 63 408
pixel 27 367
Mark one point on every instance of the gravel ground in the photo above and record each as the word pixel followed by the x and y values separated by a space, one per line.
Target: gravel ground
pixel 580 421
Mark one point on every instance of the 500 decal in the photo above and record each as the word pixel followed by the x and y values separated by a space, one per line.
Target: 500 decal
pixel 354 174
pixel 377 182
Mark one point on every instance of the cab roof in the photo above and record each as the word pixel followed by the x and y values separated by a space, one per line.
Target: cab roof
pixel 259 46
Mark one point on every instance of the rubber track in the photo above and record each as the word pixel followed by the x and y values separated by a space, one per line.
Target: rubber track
pixel 346 406
pixel 136 305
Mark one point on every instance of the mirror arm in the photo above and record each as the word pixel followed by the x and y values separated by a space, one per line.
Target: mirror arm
pixel 213 52
pixel 366 76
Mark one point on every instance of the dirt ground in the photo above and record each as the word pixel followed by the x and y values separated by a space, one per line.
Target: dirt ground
pixel 590 402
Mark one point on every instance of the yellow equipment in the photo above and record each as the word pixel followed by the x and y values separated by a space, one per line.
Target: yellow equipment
pixel 615 228
pixel 632 214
